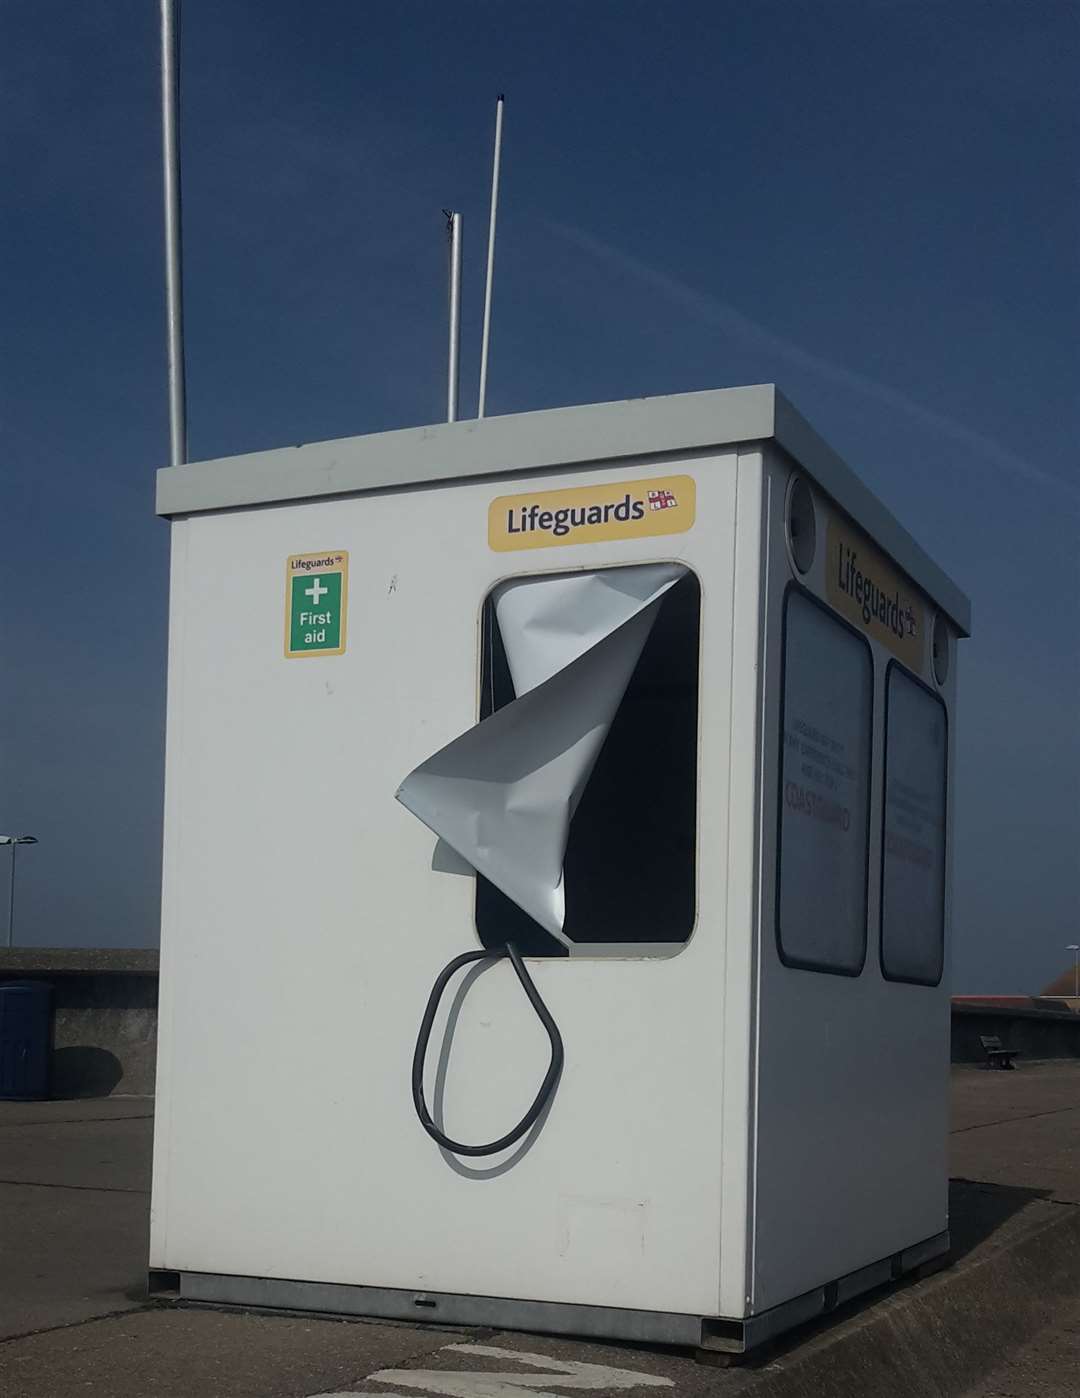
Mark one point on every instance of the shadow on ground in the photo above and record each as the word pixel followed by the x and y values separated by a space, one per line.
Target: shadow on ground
pixel 978 1211
pixel 85 1071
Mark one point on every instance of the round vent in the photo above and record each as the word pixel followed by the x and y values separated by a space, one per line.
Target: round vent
pixel 940 648
pixel 801 528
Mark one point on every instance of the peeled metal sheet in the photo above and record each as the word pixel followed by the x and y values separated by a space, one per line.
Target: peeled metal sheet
pixel 503 794
pixel 547 623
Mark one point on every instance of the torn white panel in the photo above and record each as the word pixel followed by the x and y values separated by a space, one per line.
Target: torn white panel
pixel 546 623
pixel 503 794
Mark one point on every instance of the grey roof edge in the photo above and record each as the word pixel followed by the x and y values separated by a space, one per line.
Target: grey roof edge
pixel 523 443
pixel 447 451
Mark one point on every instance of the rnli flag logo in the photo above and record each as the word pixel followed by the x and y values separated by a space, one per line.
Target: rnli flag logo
pixel 661 500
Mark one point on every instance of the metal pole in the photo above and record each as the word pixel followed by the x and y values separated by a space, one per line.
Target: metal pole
pixel 1076 975
pixel 11 900
pixel 485 339
pixel 453 229
pixel 174 291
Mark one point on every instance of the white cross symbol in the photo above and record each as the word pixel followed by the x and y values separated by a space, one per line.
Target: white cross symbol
pixel 315 591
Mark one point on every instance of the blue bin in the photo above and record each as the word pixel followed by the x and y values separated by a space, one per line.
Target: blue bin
pixel 25 1039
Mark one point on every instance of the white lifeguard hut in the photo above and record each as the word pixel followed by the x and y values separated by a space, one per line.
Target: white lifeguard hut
pixel 658 693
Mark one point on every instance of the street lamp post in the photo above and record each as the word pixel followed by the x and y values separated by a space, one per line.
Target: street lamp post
pixel 1074 947
pixel 14 841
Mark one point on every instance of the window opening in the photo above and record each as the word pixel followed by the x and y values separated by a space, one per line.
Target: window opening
pixel 913 838
pixel 630 862
pixel 823 824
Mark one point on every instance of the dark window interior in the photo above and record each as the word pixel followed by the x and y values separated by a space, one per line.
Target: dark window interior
pixel 630 861
pixel 913 832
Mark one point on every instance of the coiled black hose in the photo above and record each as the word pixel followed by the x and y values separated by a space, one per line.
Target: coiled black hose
pixel 551 1077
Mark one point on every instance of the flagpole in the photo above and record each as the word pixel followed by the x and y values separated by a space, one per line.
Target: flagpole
pixel 497 161
pixel 174 296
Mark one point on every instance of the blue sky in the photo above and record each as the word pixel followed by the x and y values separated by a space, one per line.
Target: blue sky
pixel 872 204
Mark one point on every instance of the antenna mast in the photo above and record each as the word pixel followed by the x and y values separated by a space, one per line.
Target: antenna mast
pixel 499 101
pixel 453 231
pixel 174 293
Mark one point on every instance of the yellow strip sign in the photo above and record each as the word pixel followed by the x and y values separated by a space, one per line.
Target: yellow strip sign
pixel 591 514
pixel 863 586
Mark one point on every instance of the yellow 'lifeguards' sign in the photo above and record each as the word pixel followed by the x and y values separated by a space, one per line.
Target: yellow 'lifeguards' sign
pixel 864 586
pixel 591 514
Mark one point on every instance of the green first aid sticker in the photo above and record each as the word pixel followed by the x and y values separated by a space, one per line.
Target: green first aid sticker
pixel 316 600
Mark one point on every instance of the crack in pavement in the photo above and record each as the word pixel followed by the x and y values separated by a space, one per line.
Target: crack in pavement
pixel 85 1188
pixel 138 1308
pixel 1007 1120
pixel 72 1121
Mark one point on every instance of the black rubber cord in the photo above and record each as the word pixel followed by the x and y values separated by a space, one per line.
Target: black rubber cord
pixel 551 1077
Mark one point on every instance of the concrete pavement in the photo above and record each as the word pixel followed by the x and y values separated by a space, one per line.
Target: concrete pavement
pixel 1020 1128
pixel 1046 1366
pixel 74 1191
pixel 74 1318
